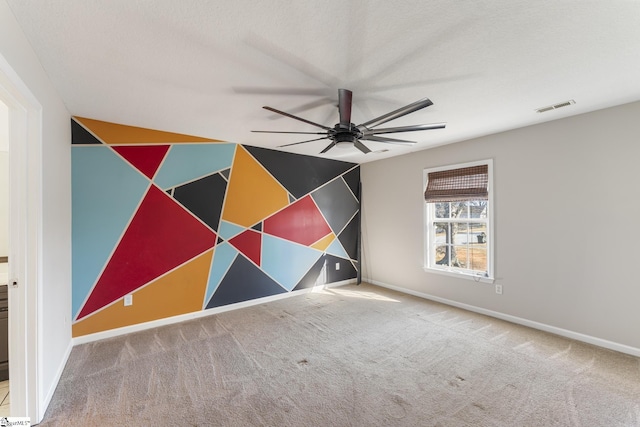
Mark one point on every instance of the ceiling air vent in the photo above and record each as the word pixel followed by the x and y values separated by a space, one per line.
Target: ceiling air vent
pixel 556 106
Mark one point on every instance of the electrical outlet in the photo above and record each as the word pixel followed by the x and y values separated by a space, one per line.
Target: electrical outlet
pixel 128 300
pixel 337 266
pixel 499 289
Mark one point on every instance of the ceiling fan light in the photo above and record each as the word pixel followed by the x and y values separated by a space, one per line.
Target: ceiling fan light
pixel 344 145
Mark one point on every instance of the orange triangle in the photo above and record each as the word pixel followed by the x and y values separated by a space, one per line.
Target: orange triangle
pixel 324 243
pixel 112 133
pixel 252 194
pixel 178 292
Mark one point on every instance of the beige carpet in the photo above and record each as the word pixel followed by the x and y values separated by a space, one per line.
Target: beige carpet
pixel 348 356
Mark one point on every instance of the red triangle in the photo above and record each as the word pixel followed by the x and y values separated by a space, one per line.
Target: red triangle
pixel 146 159
pixel 300 222
pixel 161 236
pixel 249 243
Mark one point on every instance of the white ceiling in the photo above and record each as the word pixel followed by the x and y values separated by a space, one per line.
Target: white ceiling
pixel 207 67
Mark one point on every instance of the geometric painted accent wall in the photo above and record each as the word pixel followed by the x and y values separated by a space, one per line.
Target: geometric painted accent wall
pixel 184 224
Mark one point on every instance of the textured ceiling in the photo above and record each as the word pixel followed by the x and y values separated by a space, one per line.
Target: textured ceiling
pixel 207 67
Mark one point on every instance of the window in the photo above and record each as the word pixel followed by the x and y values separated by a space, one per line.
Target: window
pixel 458 220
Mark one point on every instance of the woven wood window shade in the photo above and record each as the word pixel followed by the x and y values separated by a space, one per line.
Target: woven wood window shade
pixel 455 185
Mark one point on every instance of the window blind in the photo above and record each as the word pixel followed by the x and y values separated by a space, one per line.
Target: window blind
pixel 454 185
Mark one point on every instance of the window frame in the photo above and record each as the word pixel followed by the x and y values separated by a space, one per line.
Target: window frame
pixel 429 218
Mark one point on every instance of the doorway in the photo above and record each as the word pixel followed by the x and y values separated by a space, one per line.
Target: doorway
pixel 5 397
pixel 23 114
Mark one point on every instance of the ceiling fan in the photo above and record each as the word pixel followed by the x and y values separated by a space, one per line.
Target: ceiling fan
pixel 345 131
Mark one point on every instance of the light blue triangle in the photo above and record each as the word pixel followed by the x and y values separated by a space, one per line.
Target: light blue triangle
pixel 228 230
pixel 187 162
pixel 337 249
pixel 223 257
pixel 106 191
pixel 286 262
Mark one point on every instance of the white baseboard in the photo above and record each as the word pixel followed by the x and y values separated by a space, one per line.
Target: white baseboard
pixel 198 314
pixel 44 403
pixel 622 348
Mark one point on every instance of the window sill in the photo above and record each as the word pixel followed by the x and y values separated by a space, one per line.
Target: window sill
pixel 460 275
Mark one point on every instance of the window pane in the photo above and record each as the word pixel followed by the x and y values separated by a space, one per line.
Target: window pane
pixel 478 233
pixel 442 209
pixel 441 255
pixel 478 209
pixel 459 210
pixel 459 257
pixel 440 232
pixel 459 234
pixel 477 257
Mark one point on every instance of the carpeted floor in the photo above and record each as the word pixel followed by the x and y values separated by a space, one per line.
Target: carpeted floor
pixel 348 356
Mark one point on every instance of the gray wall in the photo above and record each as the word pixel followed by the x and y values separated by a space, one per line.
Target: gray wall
pixel 566 210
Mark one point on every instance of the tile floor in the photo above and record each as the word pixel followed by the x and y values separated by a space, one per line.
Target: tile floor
pixel 4 399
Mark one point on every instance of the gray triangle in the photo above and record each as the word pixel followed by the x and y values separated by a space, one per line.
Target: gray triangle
pixel 337 204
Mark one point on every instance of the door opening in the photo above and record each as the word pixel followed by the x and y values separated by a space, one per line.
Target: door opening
pixel 5 398
pixel 24 129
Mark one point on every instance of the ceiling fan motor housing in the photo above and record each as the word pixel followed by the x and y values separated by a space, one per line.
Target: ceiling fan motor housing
pixel 345 133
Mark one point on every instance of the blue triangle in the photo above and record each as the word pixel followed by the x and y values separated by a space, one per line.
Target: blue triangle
pixel 188 162
pixel 106 192
pixel 285 261
pixel 223 257
pixel 336 249
pixel 228 230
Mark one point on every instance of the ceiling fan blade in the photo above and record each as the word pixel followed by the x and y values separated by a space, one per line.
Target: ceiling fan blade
pixel 301 142
pixel 296 118
pixel 385 139
pixel 344 106
pixel 403 111
pixel 404 129
pixel 307 106
pixel 360 146
pixel 257 90
pixel 299 133
pixel 328 147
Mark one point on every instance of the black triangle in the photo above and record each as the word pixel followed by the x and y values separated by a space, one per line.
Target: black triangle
pixel 309 280
pixel 349 237
pixel 80 135
pixel 347 270
pixel 244 281
pixel 299 174
pixel 203 198
pixel 257 227
pixel 220 240
pixel 291 199
pixel 225 173
pixel 352 178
